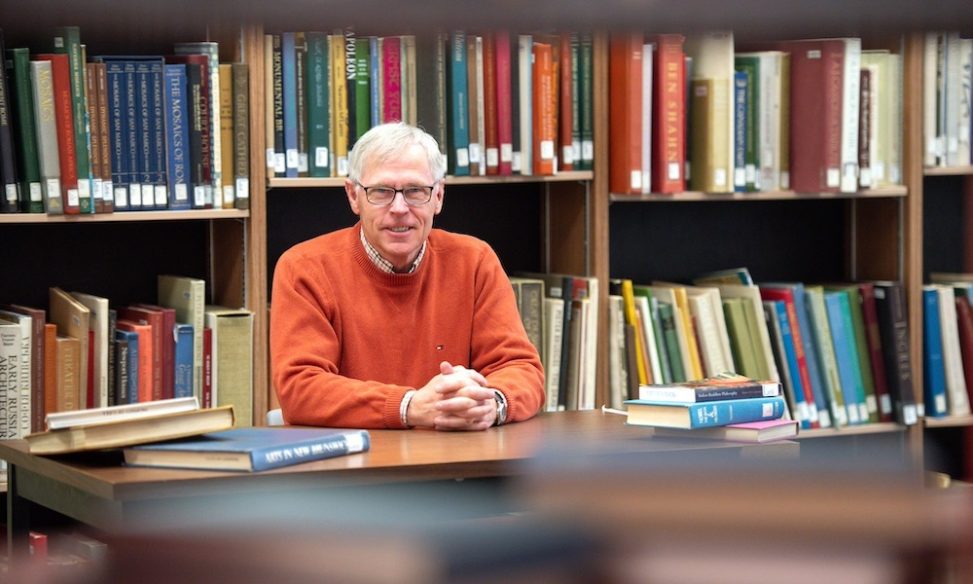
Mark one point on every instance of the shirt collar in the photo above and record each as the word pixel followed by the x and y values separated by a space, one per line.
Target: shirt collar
pixel 382 263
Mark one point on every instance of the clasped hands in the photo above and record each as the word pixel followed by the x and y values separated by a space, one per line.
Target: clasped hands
pixel 456 399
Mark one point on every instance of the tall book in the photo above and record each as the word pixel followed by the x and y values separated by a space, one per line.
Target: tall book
pixel 22 102
pixel 228 151
pixel 828 364
pixel 211 90
pixel 289 80
pixel 16 331
pixel 669 115
pixel 711 115
pixel 957 397
pixel 846 357
pixel 318 103
pixel 73 320
pixel 241 135
pixel 177 135
pixel 934 370
pixel 232 359
pixel 64 118
pixel 45 129
pixel 10 198
pixel 431 71
pixel 876 354
pixel 98 322
pixel 625 114
pixel 67 41
pixel 340 130
pixel 544 111
pixel 504 71
pixel 817 71
pixel 38 359
pixel 458 156
pixel 525 60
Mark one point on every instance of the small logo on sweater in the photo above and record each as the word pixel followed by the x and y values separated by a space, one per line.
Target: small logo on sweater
pixel 440 347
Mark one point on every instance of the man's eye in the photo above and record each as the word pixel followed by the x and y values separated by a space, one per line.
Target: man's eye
pixel 414 191
pixel 383 193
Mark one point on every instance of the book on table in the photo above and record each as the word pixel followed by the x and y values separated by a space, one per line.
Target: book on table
pixel 119 413
pixel 706 414
pixel 250 449
pixel 752 432
pixel 716 388
pixel 129 432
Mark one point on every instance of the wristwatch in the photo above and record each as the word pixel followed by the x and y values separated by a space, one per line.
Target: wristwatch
pixel 501 407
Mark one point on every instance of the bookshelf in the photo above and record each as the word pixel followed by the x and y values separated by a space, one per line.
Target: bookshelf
pixel 570 222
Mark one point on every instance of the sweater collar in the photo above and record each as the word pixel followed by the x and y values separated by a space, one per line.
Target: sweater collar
pixel 382 263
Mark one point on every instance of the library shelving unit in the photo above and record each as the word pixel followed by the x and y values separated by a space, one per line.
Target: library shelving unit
pixel 568 223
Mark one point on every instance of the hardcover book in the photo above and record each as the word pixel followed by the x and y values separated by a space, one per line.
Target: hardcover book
pixel 751 432
pixel 118 413
pixel 717 388
pixel 250 449
pixel 130 432
pixel 704 415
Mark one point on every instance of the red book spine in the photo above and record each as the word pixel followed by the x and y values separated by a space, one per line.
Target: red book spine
pixel 669 115
pixel 873 339
pixel 64 118
pixel 787 296
pixel 964 316
pixel 544 116
pixel 817 70
pixel 392 78
pixel 566 113
pixel 625 113
pixel 491 138
pixel 504 102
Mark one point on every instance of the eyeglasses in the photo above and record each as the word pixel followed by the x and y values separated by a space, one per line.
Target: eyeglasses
pixel 413 195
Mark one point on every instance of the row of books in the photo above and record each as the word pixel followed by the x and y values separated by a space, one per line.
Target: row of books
pixel 727 406
pixel 560 315
pixel 83 353
pixel 498 103
pixel 946 96
pixel 695 112
pixel 840 351
pixel 947 346
pixel 103 133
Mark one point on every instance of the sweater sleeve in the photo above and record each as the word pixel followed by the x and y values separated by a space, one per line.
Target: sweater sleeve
pixel 500 348
pixel 305 352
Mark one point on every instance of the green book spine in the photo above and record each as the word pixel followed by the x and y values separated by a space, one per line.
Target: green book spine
pixel 31 193
pixel 750 64
pixel 318 104
pixel 67 40
pixel 586 105
pixel 363 91
pixel 668 318
pixel 861 348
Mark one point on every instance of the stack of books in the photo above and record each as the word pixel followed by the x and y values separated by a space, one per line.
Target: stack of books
pixel 728 406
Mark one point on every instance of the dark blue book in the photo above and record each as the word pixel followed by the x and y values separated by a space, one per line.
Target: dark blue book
pixel 934 368
pixel 117 77
pixel 182 361
pixel 250 449
pixel 126 367
pixel 704 415
pixel 155 193
pixel 176 104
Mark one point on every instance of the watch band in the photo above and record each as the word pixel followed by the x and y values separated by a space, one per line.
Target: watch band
pixel 501 407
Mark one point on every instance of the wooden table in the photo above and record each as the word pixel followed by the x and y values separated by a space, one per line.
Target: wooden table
pixel 96 489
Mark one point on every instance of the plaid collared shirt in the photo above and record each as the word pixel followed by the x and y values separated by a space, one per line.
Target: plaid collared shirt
pixel 382 263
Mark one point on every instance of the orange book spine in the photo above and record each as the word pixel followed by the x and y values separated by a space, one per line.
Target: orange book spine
pixel 491 137
pixel 544 117
pixel 625 113
pixel 669 117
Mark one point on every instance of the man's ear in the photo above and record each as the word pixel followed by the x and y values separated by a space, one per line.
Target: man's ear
pixel 440 198
pixel 351 191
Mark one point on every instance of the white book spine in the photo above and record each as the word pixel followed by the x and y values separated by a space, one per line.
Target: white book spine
pixel 850 105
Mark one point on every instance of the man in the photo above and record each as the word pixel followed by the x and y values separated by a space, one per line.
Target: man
pixel 391 323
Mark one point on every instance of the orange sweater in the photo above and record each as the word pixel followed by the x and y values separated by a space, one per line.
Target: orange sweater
pixel 347 340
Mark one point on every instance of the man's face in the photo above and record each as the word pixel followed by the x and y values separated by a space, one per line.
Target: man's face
pixel 396 230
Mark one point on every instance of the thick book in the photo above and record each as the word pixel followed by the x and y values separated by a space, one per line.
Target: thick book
pixel 38 319
pixel 717 388
pixel 45 128
pixel 21 98
pixel 625 114
pixel 131 432
pixel 751 432
pixel 704 415
pixel 669 115
pixel 118 413
pixel 318 103
pixel 250 449
pixel 935 393
pixel 67 41
pixel 893 327
pixel 177 115
pixel 232 332
pixel 64 123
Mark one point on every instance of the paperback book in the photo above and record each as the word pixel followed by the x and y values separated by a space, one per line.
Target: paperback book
pixel 716 388
pixel 704 415
pixel 752 432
